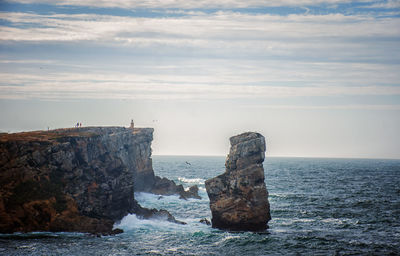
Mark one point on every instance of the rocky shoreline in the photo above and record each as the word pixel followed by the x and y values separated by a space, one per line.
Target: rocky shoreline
pixel 78 180
pixel 84 179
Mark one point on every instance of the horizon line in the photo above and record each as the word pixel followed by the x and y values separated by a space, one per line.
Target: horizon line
pixel 275 156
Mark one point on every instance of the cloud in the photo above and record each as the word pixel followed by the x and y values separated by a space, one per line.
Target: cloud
pixel 187 4
pixel 284 43
pixel 390 4
pixel 123 86
pixel 5 61
pixel 274 56
pixel 220 31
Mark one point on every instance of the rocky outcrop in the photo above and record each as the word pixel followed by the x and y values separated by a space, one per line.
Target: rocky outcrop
pixel 238 197
pixel 80 179
pixel 164 186
pixel 144 174
pixel 144 213
pixel 146 181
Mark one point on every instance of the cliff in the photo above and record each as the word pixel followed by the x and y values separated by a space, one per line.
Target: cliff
pixel 239 197
pixel 80 179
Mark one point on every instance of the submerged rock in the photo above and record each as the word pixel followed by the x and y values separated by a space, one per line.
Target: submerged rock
pixel 238 197
pixel 144 213
pixel 205 221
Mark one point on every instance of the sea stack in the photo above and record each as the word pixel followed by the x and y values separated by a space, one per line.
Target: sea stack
pixel 239 197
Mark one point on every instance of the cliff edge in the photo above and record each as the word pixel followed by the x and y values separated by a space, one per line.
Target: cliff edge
pixel 239 197
pixel 76 180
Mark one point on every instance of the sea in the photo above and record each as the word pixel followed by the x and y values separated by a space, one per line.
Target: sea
pixel 318 207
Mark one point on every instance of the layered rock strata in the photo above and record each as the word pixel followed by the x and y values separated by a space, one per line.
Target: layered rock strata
pixel 80 179
pixel 238 197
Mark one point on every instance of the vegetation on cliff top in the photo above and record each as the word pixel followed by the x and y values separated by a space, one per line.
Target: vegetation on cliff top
pixel 49 136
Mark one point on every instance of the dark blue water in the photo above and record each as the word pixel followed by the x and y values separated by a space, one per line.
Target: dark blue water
pixel 318 207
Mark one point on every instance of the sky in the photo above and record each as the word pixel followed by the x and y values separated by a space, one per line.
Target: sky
pixel 318 78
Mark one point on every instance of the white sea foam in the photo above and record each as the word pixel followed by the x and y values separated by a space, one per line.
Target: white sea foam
pixel 131 222
pixel 155 252
pixel 227 238
pixel 193 181
pixel 340 221
pixel 332 220
pixel 291 221
pixel 170 203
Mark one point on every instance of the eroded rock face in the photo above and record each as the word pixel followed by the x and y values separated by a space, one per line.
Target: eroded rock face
pixel 144 175
pixel 80 179
pixel 238 197
pixel 145 179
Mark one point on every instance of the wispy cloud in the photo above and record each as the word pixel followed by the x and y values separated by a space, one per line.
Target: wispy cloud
pixel 390 4
pixel 188 4
pixel 26 61
pixel 118 86
pixel 333 37
pixel 297 55
pixel 221 26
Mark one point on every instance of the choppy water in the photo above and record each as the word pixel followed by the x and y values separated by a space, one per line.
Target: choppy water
pixel 318 207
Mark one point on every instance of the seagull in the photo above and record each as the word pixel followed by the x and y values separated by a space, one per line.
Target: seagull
pixel 187 163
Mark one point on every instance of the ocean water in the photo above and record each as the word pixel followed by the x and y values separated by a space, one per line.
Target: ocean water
pixel 318 207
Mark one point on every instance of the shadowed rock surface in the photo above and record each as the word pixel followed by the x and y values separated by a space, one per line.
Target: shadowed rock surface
pixel 238 197
pixel 78 180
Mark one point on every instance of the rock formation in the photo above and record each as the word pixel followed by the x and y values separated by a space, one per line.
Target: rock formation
pixel 238 197
pixel 80 179
pixel 164 186
pixel 145 179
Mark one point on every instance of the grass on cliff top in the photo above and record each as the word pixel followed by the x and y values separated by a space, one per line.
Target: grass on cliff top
pixel 50 136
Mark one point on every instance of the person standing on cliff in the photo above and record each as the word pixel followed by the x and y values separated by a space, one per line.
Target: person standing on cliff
pixel 132 124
